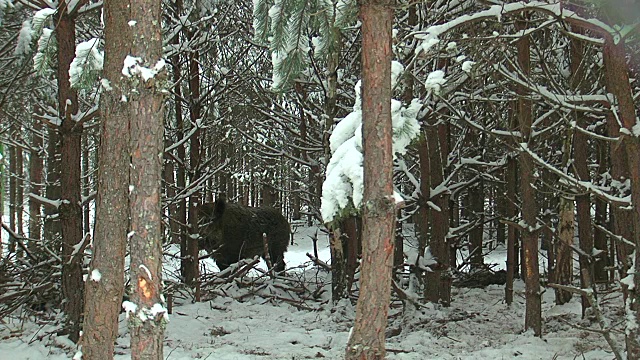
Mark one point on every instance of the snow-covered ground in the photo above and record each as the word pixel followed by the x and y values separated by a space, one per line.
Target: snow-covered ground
pixel 478 325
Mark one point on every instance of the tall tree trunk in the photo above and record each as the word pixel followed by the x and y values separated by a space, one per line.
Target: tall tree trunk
pixel 2 177
pixel 86 184
pixel 438 282
pixel 476 204
pixel 105 284
pixel 19 195
pixel 146 144
pixel 352 243
pixel 563 271
pixel 337 246
pixel 191 277
pixel 422 215
pixel 12 197
pixel 500 211
pixel 169 192
pixel 424 209
pixel 12 246
pixel 398 253
pixel 36 178
pixel 367 340
pixel 338 265
pixel 70 178
pixel 511 211
pixel 533 314
pixel 617 83
pixel 599 237
pixel 178 210
pixel 583 207
pixel 52 230
pixel 580 150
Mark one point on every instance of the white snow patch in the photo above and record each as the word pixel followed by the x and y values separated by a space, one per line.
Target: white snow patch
pixel 25 38
pixel 96 275
pixel 468 65
pixel 129 307
pixel 106 84
pixel 132 66
pixel 434 81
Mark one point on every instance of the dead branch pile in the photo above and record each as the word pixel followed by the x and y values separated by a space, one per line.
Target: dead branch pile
pixel 481 278
pixel 301 288
pixel 28 285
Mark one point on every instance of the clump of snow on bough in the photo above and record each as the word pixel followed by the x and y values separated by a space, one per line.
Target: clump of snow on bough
pixel 344 184
pixel 132 67
pixel 144 314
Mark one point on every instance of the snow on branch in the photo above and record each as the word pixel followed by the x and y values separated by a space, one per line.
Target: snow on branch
pixel 44 201
pixel 343 187
pixel 584 185
pixel 566 101
pixel 605 328
pixel 86 65
pixel 429 37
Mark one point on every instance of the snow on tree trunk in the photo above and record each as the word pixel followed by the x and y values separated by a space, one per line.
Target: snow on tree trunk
pixel 339 271
pixel 191 273
pixel 367 341
pixel 617 83
pixel 147 315
pixel 581 154
pixel 104 293
pixel 70 178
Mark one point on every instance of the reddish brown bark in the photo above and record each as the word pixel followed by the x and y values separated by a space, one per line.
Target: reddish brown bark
pixel 104 297
pixel 146 148
pixel 533 313
pixel 617 83
pixel 338 265
pixel 352 243
pixel 599 236
pixel 367 340
pixel 511 181
pixel 70 178
pixel 580 151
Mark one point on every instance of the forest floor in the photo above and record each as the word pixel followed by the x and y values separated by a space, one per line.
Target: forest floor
pixel 477 325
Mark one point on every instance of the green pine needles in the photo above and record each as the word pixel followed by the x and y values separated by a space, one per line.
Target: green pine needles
pixel 294 30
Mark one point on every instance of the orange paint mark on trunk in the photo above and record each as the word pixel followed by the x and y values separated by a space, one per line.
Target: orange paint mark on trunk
pixel 146 287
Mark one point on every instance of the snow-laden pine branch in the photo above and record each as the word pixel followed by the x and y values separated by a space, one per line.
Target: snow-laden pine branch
pixel 87 64
pixel 343 187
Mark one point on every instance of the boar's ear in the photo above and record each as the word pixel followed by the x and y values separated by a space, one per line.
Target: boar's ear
pixel 219 206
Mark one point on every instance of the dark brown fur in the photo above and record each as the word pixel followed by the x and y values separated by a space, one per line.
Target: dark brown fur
pixel 230 232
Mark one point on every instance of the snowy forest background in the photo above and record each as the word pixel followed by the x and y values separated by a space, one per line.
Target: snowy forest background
pixel 515 174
